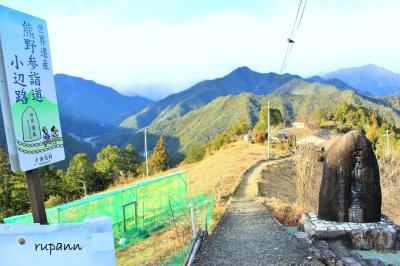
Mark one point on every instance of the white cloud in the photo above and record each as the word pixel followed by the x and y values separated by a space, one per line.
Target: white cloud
pixel 156 51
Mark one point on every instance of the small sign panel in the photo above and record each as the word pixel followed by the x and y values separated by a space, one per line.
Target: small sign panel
pixel 90 243
pixel 27 92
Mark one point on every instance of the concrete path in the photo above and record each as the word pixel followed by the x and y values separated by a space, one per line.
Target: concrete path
pixel 248 234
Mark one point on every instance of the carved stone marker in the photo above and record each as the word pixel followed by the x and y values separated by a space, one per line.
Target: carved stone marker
pixel 350 188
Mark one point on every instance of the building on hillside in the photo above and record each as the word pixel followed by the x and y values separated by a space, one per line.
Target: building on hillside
pixel 299 123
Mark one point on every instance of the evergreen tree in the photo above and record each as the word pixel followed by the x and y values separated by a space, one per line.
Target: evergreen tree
pixel 14 197
pixel 5 181
pixel 80 178
pixel 319 116
pixel 52 181
pixel 129 163
pixel 108 162
pixel 158 160
pixel 275 118
pixel 373 130
pixel 340 113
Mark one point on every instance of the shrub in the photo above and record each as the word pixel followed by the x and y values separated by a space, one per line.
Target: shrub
pixel 240 128
pixel 52 201
pixel 195 153
pixel 259 136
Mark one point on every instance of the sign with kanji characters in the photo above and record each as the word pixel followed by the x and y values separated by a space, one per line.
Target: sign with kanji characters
pixel 27 92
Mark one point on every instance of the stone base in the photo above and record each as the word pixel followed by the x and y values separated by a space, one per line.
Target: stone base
pixel 383 235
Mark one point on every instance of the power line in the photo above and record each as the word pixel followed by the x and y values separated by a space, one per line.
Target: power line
pixel 287 58
pixel 293 33
pixel 284 59
pixel 295 21
pixel 302 13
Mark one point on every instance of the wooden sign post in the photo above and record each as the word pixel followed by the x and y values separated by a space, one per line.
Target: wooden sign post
pixel 36 196
pixel 28 101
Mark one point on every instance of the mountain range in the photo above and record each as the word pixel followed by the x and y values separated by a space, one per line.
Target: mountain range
pixel 295 98
pixel 238 81
pixel 88 108
pixel 208 108
pixel 94 115
pixel 371 79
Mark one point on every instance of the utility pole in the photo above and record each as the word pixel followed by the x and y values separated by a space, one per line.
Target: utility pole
pixel 145 151
pixel 268 129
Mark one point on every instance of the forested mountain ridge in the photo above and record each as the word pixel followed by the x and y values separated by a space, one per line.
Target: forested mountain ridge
pixel 238 81
pixel 297 98
pixel 198 114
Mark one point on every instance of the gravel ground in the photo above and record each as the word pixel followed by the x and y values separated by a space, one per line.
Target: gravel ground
pixel 249 235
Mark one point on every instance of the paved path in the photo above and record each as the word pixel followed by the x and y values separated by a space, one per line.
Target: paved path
pixel 249 235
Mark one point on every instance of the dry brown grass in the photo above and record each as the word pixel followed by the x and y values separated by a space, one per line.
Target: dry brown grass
pixel 285 212
pixel 307 177
pixel 291 186
pixel 155 249
pixel 219 173
pixel 390 185
pixel 277 181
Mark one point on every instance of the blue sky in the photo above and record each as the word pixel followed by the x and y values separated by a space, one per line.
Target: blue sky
pixel 156 47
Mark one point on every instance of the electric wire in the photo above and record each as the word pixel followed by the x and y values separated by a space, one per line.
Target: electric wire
pixel 293 33
pixel 302 13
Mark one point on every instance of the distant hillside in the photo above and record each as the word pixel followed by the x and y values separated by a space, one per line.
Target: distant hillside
pixel 302 87
pixel 393 101
pixel 238 81
pixel 334 81
pixel 295 98
pixel 88 108
pixel 369 78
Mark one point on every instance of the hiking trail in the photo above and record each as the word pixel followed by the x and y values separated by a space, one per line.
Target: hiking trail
pixel 248 234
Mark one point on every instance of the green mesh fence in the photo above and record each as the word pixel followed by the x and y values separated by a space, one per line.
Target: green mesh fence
pixel 137 211
pixel 202 205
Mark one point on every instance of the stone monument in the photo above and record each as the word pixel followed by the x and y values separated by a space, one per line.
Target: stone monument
pixel 350 189
pixel 350 199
